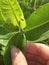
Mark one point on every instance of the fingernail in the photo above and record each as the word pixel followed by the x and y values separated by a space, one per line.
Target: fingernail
pixel 17 57
pixel 14 51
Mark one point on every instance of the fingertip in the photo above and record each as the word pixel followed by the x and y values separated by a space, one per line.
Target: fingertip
pixel 14 51
pixel 17 57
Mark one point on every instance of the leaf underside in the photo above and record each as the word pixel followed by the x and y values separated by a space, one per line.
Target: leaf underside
pixel 10 9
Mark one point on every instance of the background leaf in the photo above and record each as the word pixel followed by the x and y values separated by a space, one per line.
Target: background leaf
pixel 28 6
pixel 36 33
pixel 43 37
pixel 6 37
pixel 3 31
pixel 38 18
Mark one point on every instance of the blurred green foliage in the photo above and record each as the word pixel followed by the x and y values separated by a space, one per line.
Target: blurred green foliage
pixel 28 6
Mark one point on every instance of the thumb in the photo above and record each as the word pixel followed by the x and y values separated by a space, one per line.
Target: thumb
pixel 17 57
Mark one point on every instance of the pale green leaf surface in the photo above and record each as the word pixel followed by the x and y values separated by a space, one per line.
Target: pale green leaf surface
pixel 10 9
pixel 8 26
pixel 5 38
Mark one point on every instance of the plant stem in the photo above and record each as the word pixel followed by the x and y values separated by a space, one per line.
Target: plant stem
pixel 35 3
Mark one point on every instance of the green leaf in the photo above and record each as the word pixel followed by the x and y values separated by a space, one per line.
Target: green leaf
pixel 3 31
pixel 19 41
pixel 38 17
pixel 9 26
pixel 36 33
pixel 43 37
pixel 16 39
pixel 10 9
pixel 5 38
pixel 1 20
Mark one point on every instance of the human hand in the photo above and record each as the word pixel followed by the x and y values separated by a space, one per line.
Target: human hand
pixel 18 57
pixel 36 54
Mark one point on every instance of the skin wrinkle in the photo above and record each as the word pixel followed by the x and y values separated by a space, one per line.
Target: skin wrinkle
pixel 48 62
pixel 36 58
pixel 39 51
pixel 36 54
pixel 29 47
pixel 34 63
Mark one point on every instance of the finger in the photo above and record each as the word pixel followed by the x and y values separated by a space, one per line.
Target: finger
pixel 38 53
pixel 17 57
pixel 38 49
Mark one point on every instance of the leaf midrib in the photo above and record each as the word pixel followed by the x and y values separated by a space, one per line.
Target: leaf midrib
pixel 13 11
pixel 36 26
